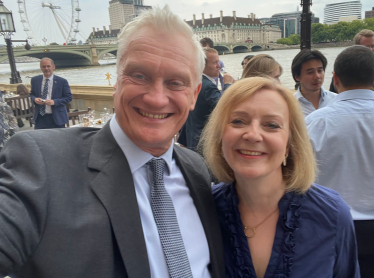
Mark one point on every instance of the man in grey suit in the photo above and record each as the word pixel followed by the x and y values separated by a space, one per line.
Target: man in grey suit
pixel 123 201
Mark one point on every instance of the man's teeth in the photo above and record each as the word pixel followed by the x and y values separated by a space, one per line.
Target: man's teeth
pixel 159 116
pixel 250 153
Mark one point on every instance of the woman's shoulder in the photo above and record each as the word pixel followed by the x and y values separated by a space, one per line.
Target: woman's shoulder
pixel 327 201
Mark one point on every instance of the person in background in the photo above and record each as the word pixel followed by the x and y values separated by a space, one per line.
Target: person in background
pixel 124 200
pixel 8 123
pixel 50 93
pixel 308 70
pixel 207 42
pixel 342 135
pixel 22 90
pixel 263 65
pixel 206 101
pixel 366 38
pixel 246 60
pixel 275 222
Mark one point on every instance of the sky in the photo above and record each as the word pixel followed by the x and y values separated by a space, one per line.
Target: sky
pixel 95 12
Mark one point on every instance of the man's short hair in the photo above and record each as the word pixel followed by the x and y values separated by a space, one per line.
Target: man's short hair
pixel 303 56
pixel 49 59
pixel 363 33
pixel 248 57
pixel 300 171
pixel 161 19
pixel 206 42
pixel 208 50
pixel 355 66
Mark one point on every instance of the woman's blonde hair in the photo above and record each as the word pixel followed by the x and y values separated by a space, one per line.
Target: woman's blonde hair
pixel 300 171
pixel 261 65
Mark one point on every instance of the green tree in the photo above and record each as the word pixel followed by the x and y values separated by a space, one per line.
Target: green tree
pixel 284 41
pixel 295 38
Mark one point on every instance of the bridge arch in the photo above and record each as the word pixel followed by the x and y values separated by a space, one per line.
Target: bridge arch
pixel 112 50
pixel 62 58
pixel 240 49
pixel 256 48
pixel 221 49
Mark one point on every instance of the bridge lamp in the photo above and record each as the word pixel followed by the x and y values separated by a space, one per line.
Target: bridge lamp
pixel 6 29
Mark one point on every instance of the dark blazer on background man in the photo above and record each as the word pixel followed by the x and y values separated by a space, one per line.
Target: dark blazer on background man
pixel 82 220
pixel 208 97
pixel 61 95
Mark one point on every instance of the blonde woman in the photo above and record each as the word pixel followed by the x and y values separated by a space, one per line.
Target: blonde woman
pixel 275 222
pixel 263 65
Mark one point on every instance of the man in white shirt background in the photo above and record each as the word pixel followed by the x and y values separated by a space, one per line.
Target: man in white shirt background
pixel 308 69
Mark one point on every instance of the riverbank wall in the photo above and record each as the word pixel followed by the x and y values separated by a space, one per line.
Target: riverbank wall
pixel 84 96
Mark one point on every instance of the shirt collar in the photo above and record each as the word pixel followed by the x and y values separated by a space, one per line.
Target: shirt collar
pixel 211 79
pixel 138 157
pixel 49 78
pixel 353 94
pixel 299 95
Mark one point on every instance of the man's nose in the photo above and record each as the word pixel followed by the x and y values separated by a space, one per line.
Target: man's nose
pixel 157 96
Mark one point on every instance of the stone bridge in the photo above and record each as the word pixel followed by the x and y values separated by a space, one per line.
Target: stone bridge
pixel 65 55
pixel 239 47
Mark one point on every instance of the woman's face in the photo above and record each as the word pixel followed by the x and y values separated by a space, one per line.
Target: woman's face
pixel 255 138
pixel 276 74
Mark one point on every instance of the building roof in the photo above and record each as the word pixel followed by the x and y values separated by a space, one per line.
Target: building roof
pixel 122 1
pixel 100 34
pixel 226 20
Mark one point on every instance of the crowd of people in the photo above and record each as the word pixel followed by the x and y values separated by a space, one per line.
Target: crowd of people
pixel 262 182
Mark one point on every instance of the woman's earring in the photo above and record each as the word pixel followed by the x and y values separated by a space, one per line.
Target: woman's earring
pixel 285 160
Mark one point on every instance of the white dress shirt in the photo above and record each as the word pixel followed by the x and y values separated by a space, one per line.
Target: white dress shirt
pixel 48 109
pixel 189 221
pixel 307 107
pixel 342 135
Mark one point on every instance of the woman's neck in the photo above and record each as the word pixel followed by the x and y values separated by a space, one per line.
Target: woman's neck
pixel 260 195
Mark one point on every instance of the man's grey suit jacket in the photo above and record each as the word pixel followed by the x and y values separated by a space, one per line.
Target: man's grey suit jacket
pixel 68 207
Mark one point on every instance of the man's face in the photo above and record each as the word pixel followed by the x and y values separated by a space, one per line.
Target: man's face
pixel 212 65
pixel 245 62
pixel 47 67
pixel 156 89
pixel 368 42
pixel 312 76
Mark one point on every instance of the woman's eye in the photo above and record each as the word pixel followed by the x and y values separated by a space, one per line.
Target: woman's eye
pixel 237 121
pixel 272 125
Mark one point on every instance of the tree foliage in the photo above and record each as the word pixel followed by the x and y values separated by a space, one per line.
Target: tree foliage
pixel 342 31
pixel 291 40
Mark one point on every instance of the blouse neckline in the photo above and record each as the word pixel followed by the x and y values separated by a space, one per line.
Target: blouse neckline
pixel 282 254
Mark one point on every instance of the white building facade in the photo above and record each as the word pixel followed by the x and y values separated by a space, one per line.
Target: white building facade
pixel 334 11
pixel 233 29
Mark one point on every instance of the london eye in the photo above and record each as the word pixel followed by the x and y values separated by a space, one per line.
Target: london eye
pixel 50 21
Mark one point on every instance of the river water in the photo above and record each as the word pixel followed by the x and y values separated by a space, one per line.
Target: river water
pixel 96 75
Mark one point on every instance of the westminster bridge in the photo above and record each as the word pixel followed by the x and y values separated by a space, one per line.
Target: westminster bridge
pixel 89 55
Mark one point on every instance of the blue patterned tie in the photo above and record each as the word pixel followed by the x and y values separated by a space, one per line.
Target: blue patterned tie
pixel 167 224
pixel 44 96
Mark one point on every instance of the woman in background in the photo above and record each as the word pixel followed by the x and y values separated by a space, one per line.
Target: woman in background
pixel 275 222
pixel 262 65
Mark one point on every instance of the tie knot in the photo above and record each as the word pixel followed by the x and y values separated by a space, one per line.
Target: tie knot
pixel 158 167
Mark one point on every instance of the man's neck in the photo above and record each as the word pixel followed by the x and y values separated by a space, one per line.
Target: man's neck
pixel 312 96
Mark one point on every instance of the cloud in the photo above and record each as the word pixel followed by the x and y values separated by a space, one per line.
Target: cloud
pixel 205 4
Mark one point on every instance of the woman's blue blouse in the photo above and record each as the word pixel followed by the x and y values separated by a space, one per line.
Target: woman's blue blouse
pixel 314 236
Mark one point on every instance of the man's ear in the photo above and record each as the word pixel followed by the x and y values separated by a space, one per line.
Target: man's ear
pixel 195 95
pixel 297 78
pixel 336 79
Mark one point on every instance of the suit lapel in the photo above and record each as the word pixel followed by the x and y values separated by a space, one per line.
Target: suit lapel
pixel 200 190
pixel 54 86
pixel 114 187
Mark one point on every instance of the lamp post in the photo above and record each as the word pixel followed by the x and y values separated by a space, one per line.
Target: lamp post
pixel 6 29
pixel 306 25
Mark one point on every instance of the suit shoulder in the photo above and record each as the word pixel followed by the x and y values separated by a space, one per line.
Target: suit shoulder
pixel 192 158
